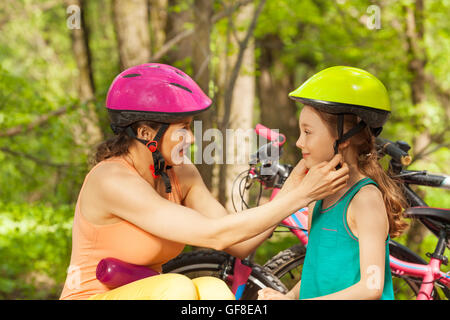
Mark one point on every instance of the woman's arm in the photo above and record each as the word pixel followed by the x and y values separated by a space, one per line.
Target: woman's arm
pixel 129 197
pixel 199 198
pixel 369 214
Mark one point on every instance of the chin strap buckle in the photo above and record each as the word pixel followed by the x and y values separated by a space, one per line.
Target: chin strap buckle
pixel 152 145
pixel 152 170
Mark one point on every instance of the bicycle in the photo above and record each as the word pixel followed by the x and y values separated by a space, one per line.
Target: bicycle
pixel 422 278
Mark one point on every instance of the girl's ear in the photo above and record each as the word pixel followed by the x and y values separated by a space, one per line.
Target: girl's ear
pixel 344 145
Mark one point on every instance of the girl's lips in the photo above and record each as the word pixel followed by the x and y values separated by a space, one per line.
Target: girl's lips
pixel 305 154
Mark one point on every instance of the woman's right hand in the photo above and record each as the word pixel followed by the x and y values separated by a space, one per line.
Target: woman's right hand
pixel 323 179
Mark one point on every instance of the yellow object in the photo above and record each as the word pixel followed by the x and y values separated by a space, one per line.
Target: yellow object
pixel 210 288
pixel 170 286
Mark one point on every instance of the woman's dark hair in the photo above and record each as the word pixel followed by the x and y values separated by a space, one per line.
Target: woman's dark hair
pixel 119 144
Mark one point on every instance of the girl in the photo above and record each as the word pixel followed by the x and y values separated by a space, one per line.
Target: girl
pixel 141 205
pixel 348 248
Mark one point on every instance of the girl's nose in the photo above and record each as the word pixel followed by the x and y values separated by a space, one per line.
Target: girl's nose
pixel 299 143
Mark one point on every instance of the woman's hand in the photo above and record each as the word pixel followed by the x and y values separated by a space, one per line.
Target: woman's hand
pixel 295 177
pixel 322 179
pixel 271 294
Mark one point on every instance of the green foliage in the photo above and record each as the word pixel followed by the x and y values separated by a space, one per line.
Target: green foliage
pixel 40 154
pixel 35 242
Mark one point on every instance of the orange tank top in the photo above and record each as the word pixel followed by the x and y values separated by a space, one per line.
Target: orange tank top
pixel 121 240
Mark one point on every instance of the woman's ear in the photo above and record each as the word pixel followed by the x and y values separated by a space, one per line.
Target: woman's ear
pixel 145 132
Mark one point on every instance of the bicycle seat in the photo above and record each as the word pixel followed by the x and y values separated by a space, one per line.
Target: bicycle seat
pixel 434 219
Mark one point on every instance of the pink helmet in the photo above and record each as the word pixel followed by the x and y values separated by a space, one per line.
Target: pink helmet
pixel 155 92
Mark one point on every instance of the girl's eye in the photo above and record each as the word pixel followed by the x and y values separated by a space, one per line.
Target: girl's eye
pixel 307 132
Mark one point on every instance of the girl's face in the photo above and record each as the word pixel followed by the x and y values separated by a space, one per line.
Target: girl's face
pixel 315 141
pixel 176 142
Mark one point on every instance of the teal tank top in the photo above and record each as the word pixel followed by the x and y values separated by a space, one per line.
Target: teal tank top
pixel 332 256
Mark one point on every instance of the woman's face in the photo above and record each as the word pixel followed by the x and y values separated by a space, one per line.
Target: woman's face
pixel 315 141
pixel 176 142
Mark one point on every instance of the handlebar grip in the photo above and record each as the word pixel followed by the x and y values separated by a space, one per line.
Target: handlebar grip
pixel 394 151
pixel 270 135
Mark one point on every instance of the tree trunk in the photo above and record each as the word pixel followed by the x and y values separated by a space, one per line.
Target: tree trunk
pixel 201 56
pixel 131 25
pixel 87 133
pixel 180 15
pixel 416 50
pixel 158 21
pixel 416 65
pixel 240 109
pixel 274 83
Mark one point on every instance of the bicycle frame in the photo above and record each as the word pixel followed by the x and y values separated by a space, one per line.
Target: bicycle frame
pixel 298 223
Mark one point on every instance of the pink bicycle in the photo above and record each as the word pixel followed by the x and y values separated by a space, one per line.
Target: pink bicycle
pixel 425 281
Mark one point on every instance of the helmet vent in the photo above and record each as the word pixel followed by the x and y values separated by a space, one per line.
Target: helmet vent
pixel 131 75
pixel 152 66
pixel 180 74
pixel 180 86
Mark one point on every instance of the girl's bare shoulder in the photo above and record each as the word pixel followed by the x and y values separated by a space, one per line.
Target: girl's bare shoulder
pixel 367 206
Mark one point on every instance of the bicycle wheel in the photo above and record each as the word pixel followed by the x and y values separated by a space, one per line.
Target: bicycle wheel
pixel 219 264
pixel 288 265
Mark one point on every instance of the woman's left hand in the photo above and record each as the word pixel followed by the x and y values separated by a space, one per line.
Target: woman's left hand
pixel 271 294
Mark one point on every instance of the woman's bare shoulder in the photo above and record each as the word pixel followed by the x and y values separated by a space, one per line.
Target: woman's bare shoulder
pixel 93 202
pixel 109 170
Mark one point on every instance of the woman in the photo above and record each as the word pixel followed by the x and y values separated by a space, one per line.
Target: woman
pixel 140 205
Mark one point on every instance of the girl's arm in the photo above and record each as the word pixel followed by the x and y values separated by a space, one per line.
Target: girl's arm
pixel 370 218
pixel 130 197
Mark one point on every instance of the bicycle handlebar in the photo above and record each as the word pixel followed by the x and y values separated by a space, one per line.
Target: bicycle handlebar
pixel 423 178
pixel 393 149
pixel 270 135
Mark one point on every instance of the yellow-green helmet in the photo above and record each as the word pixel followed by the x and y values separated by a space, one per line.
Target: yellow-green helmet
pixel 346 90
pixel 342 90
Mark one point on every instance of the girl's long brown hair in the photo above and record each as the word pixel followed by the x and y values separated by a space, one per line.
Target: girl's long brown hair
pixel 364 145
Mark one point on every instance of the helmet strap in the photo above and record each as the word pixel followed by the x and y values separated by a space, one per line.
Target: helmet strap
pixel 157 169
pixel 376 131
pixel 350 133
pixel 343 137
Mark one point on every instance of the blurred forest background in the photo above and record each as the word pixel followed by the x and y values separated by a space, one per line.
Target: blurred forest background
pixel 55 70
